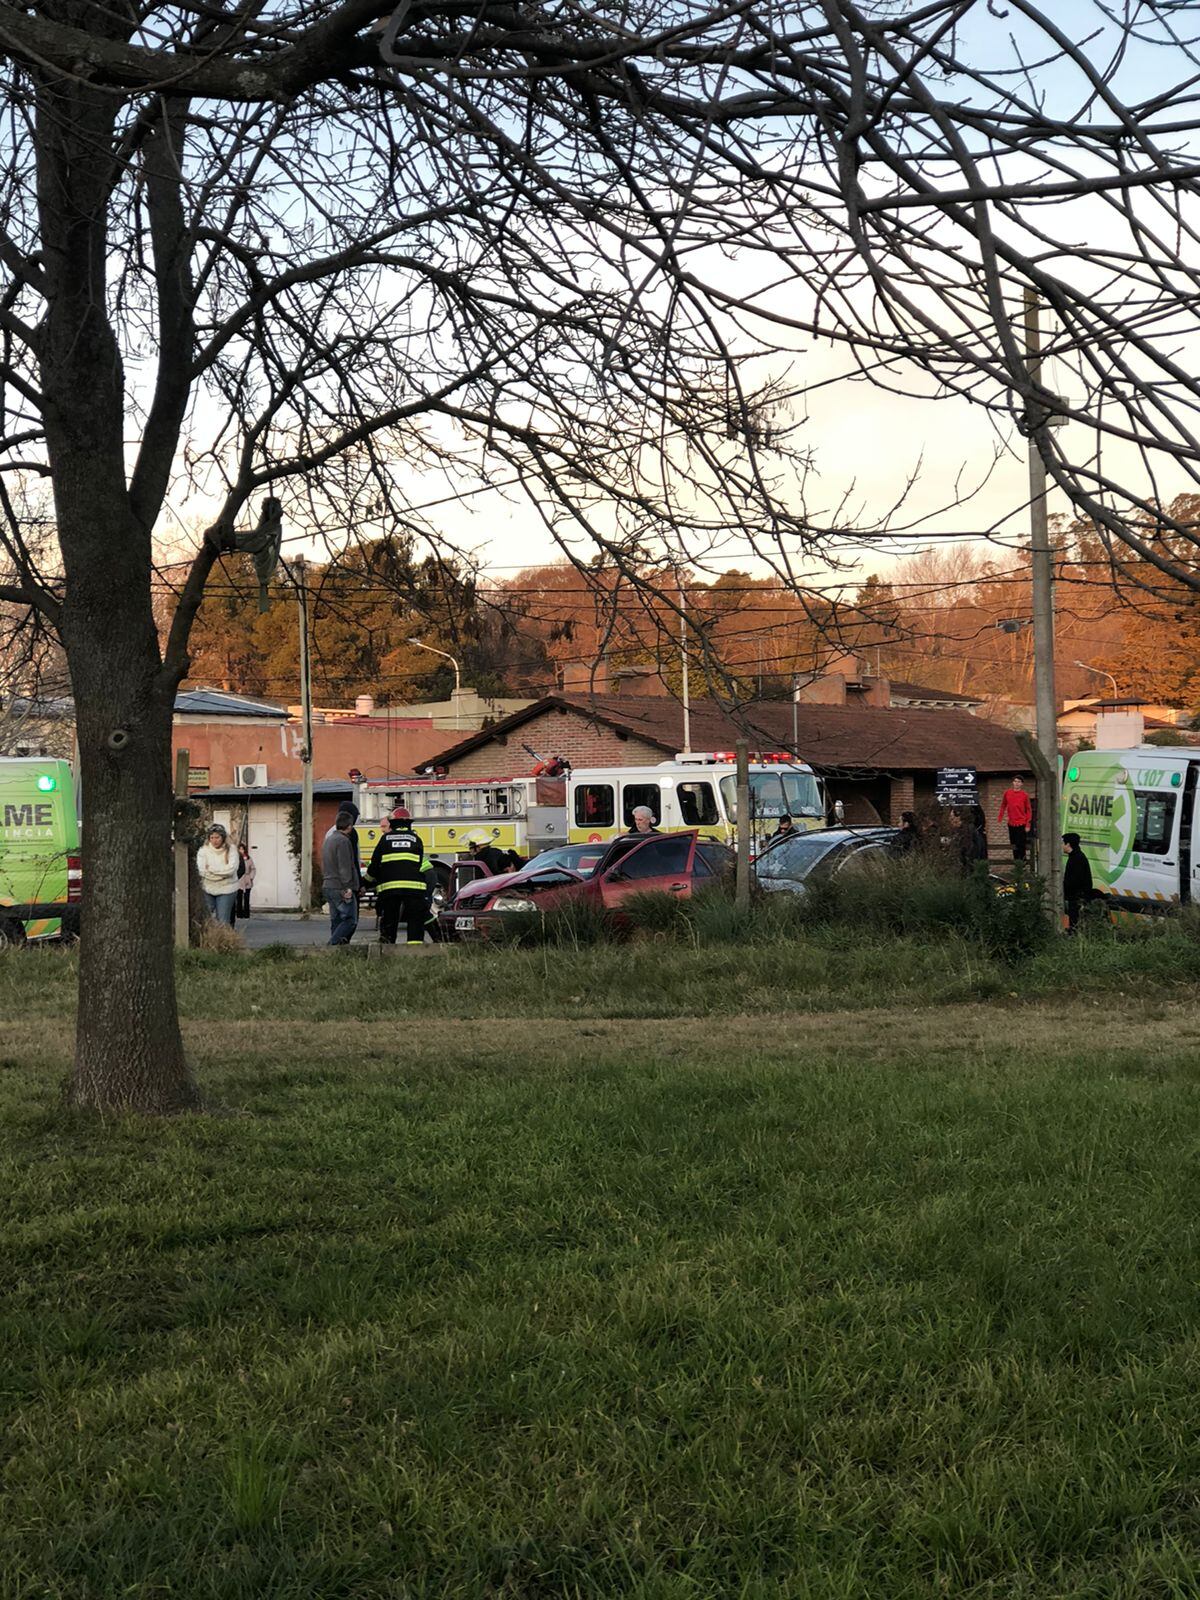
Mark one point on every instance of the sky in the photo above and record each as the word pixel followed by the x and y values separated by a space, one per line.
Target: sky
pixel 866 444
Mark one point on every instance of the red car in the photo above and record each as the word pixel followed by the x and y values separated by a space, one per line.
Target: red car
pixel 672 863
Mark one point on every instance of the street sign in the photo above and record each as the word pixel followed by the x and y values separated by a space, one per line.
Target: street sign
pixel 957 786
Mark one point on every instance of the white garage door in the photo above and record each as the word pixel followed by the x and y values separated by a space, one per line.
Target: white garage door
pixel 275 884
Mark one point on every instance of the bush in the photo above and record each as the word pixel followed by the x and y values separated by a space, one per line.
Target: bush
pixel 912 896
pixel 657 913
pixel 572 925
pixel 221 939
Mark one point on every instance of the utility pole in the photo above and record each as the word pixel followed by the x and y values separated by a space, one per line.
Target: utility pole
pixel 1042 572
pixel 306 788
pixel 742 885
pixel 683 652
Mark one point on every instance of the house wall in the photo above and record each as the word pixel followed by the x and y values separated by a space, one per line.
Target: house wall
pixel 380 747
pixel 556 733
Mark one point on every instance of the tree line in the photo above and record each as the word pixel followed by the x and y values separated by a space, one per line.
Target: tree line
pixel 955 619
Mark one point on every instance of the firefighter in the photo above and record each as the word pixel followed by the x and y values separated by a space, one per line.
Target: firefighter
pixel 397 870
pixel 497 861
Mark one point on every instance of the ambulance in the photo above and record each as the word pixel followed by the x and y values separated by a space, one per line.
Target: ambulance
pixel 695 790
pixel 1138 823
pixel 40 867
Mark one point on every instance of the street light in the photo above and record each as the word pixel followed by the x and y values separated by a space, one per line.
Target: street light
pixel 446 656
pixel 1100 673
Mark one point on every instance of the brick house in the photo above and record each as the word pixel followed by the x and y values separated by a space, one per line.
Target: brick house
pixel 224 733
pixel 879 761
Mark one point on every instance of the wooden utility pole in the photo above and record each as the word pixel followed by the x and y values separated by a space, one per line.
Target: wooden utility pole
pixel 683 653
pixel 742 753
pixel 306 788
pixel 1042 571
pixel 183 761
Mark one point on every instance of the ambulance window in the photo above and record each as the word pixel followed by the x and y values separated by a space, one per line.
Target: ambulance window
pixel 1155 816
pixel 594 805
pixel 697 804
pixel 641 794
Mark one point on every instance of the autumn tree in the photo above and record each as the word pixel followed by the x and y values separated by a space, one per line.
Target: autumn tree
pixel 331 252
pixel 364 606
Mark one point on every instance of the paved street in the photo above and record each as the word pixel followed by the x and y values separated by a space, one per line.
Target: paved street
pixel 288 927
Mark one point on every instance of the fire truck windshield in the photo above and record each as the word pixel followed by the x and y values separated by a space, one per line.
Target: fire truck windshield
pixel 775 794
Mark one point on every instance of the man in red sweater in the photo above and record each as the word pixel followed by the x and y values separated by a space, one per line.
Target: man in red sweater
pixel 1016 810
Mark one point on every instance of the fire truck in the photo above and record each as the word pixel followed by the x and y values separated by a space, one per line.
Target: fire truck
pixel 530 813
pixel 525 815
pixel 698 789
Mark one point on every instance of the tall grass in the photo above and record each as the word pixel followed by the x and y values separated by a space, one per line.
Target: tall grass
pixel 900 899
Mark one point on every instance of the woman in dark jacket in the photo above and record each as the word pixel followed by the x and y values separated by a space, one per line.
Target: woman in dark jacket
pixel 910 834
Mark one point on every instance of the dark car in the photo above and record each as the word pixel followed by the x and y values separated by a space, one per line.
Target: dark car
pixel 672 863
pixel 790 863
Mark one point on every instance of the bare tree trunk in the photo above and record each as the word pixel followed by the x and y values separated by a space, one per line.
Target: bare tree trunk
pixel 129 1051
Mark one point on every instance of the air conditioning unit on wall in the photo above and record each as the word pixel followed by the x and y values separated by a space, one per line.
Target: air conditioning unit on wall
pixel 250 777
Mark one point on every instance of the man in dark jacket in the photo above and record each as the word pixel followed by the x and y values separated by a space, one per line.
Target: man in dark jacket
pixel 1077 880
pixel 339 881
pixel 785 830
pixel 349 809
pixel 397 870
pixel 966 842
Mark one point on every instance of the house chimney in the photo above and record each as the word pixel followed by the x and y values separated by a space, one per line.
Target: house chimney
pixel 1120 728
pixel 364 705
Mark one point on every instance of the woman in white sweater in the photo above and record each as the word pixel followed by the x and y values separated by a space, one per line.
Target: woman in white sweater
pixel 217 864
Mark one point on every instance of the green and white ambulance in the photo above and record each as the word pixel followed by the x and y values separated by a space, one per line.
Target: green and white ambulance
pixel 1136 815
pixel 40 868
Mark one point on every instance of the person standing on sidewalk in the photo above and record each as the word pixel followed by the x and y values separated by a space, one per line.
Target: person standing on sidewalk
pixel 340 881
pixel 245 882
pixel 397 870
pixel 1016 810
pixel 217 864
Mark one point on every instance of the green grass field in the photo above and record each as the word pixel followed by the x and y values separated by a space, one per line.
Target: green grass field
pixel 664 1273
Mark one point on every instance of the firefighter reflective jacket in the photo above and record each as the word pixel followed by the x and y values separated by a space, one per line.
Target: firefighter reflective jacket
pixel 398 861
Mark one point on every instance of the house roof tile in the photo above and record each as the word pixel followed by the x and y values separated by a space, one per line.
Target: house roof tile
pixel 834 739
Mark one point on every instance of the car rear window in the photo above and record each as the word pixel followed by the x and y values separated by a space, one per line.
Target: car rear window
pixel 712 860
pixel 793 858
pixel 661 856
